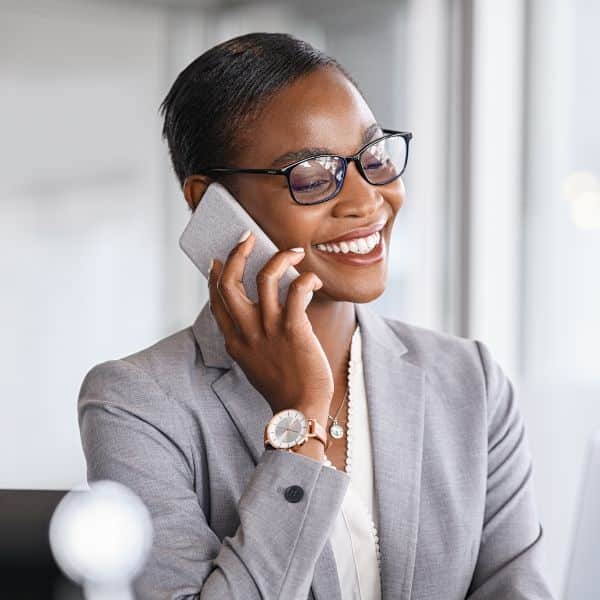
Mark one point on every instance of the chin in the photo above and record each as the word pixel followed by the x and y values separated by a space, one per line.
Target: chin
pixel 368 295
pixel 360 294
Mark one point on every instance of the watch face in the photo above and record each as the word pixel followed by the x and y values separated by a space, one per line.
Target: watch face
pixel 287 428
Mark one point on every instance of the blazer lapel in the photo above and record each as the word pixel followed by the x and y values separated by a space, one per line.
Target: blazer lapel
pixel 395 399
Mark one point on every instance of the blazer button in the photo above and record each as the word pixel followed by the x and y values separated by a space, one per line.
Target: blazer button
pixel 294 493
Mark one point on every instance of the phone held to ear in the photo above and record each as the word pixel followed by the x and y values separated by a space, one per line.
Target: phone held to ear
pixel 215 228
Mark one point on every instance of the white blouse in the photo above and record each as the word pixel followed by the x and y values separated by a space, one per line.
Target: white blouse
pixel 353 536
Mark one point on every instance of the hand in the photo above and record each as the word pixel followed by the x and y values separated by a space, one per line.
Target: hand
pixel 274 344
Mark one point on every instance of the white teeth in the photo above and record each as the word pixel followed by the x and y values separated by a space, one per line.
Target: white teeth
pixel 358 246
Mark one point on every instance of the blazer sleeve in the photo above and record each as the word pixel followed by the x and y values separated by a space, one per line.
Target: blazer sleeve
pixel 126 438
pixel 510 560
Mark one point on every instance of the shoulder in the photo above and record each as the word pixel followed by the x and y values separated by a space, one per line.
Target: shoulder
pixel 153 382
pixel 168 358
pixel 432 349
pixel 164 362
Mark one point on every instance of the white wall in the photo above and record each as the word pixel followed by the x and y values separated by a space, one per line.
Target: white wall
pixel 80 217
pixel 495 177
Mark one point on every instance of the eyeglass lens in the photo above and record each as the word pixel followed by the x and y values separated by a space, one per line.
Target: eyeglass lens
pixel 318 179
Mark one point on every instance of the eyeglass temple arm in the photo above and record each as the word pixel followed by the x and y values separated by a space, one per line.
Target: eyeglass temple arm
pixel 232 170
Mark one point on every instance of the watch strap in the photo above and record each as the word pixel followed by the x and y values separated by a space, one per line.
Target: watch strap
pixel 316 430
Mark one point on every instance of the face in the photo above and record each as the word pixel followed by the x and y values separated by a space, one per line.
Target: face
pixel 324 110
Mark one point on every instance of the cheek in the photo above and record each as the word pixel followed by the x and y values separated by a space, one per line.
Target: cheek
pixel 396 194
pixel 282 222
pixel 288 229
pixel 299 225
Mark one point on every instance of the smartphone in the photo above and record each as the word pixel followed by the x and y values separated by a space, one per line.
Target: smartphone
pixel 215 228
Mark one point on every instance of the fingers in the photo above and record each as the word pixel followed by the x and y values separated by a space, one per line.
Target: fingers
pixel 267 284
pixel 230 286
pixel 219 310
pixel 299 295
pixel 237 316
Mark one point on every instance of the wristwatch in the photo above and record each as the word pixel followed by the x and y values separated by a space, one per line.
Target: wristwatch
pixel 290 428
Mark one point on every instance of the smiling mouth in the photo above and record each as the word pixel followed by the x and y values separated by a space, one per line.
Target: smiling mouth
pixel 366 234
pixel 371 256
pixel 357 246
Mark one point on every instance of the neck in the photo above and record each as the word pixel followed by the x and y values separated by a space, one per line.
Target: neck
pixel 334 323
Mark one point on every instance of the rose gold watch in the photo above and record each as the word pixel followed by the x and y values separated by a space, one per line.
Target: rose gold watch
pixel 290 428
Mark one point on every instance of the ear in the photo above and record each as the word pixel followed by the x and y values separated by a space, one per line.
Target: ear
pixel 194 187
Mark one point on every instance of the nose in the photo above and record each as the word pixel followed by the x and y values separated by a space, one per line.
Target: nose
pixel 356 194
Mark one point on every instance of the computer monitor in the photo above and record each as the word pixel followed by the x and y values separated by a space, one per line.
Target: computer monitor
pixel 583 575
pixel 27 567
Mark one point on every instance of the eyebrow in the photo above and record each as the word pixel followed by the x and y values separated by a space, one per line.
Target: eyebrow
pixel 295 155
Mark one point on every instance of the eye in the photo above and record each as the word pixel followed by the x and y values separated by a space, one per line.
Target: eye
pixel 301 186
pixel 373 164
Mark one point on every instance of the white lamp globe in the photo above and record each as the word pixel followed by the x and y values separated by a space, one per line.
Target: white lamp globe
pixel 101 538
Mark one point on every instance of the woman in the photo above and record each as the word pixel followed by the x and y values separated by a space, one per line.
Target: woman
pixel 427 492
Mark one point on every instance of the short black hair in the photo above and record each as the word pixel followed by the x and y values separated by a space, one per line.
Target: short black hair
pixel 224 88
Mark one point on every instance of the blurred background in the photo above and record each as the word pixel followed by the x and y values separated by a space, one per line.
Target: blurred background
pixel 499 238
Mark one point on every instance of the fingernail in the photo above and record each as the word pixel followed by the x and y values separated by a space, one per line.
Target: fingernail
pixel 297 249
pixel 308 299
pixel 212 262
pixel 244 236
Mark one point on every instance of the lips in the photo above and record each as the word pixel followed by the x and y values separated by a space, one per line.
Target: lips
pixel 376 255
pixel 357 233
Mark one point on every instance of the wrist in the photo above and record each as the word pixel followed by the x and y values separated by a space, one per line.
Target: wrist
pixel 313 448
pixel 312 410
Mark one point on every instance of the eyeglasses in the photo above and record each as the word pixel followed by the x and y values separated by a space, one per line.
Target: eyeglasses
pixel 319 178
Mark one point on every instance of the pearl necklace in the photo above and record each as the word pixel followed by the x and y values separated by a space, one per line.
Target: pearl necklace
pixel 348 466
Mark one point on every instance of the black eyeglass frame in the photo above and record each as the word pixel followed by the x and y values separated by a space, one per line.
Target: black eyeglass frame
pixel 346 159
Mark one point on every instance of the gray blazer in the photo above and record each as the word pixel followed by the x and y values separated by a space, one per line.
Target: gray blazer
pixel 180 424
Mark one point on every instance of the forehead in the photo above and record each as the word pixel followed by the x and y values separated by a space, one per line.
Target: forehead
pixel 322 109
